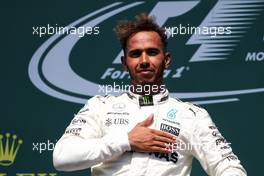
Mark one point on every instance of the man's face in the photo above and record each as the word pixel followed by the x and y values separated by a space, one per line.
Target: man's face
pixel 145 59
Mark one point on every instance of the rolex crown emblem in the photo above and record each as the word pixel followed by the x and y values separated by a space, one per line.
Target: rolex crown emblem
pixel 8 149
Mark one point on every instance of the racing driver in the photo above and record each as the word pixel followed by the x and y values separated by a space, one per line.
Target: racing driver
pixel 144 131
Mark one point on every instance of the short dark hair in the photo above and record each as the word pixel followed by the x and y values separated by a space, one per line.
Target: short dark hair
pixel 143 22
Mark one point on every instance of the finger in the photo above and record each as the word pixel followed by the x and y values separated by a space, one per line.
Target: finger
pixel 164 139
pixel 147 121
pixel 164 134
pixel 160 149
pixel 161 144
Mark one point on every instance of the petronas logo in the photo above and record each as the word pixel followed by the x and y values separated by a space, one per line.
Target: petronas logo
pixel 172 114
pixel 8 149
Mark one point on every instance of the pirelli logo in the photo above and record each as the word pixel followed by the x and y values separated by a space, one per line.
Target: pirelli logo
pixel 170 129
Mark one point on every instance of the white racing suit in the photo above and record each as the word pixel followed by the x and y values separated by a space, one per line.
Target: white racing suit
pixel 97 138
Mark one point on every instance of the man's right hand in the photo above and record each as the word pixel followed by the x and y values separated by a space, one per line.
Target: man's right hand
pixel 144 139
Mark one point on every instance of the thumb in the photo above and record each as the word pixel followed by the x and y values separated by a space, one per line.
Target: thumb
pixel 147 121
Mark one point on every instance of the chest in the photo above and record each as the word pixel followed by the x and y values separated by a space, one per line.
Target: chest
pixel 123 117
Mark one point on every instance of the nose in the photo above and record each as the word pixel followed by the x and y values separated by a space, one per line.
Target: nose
pixel 144 65
pixel 144 60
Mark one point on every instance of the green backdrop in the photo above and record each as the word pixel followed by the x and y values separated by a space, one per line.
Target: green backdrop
pixel 40 94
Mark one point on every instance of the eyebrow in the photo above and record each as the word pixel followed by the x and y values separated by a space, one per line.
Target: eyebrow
pixel 150 48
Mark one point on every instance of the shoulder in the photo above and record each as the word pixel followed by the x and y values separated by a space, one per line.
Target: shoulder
pixel 102 99
pixel 95 103
pixel 195 109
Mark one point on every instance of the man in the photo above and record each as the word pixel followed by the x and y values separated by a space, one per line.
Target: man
pixel 144 131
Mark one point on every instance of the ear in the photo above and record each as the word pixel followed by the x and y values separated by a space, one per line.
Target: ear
pixel 123 60
pixel 167 59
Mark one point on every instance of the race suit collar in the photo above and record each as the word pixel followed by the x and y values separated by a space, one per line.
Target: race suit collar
pixel 149 100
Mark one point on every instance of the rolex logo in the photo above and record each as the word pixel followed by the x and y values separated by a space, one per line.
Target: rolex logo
pixel 8 149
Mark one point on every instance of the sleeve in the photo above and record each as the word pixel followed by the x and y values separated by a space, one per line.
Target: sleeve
pixel 83 144
pixel 212 150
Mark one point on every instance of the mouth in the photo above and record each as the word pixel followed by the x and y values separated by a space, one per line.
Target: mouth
pixel 146 73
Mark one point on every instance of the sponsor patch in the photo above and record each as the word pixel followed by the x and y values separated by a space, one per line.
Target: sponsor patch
pixel 74 131
pixel 170 129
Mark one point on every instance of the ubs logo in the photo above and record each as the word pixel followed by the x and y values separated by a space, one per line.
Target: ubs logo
pixel 116 121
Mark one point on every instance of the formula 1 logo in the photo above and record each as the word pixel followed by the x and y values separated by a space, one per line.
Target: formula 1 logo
pixel 51 71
